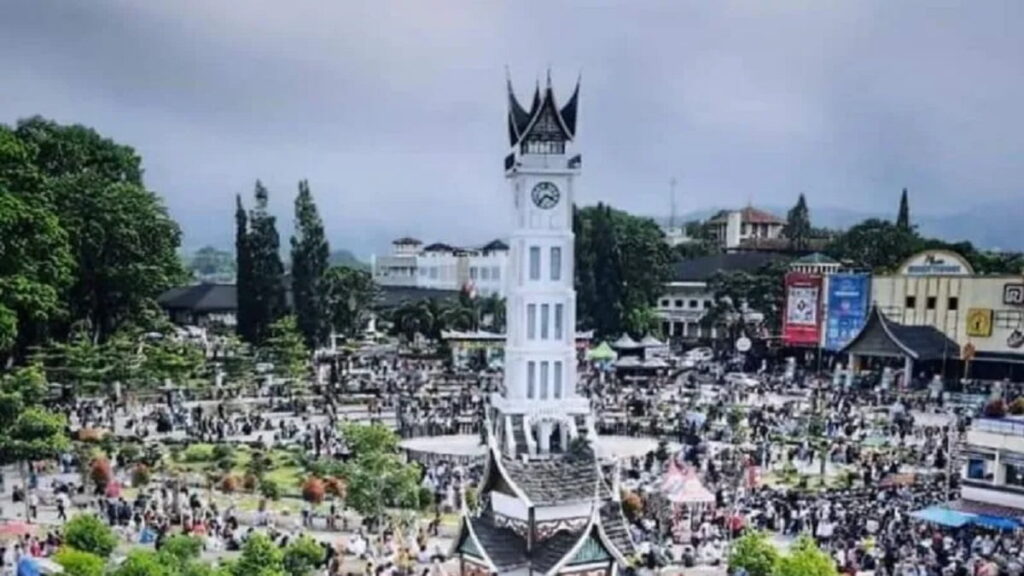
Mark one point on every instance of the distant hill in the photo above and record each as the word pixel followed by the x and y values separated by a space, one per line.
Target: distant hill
pixel 347 259
pixel 993 226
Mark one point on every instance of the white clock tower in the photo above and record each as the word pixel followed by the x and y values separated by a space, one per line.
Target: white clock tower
pixel 539 411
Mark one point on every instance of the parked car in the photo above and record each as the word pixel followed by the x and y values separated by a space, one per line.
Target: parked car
pixel 702 354
pixel 741 379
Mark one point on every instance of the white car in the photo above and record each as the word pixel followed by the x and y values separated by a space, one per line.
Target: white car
pixel 741 379
pixel 702 354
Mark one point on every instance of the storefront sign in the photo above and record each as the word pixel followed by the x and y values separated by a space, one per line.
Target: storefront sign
pixel 979 322
pixel 936 263
pixel 847 308
pixel 1013 294
pixel 802 321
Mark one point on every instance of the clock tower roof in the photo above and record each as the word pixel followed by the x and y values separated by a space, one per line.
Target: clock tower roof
pixel 544 120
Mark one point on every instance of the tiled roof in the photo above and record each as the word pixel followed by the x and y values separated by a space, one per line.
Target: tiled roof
pixel 615 528
pixel 502 545
pixel 559 480
pixel 749 215
pixel 201 298
pixel 494 246
pixel 815 258
pixel 881 335
pixel 407 240
pixel 703 268
pixel 440 247
pixel 550 551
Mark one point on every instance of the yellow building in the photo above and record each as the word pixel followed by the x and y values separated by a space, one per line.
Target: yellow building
pixel 983 314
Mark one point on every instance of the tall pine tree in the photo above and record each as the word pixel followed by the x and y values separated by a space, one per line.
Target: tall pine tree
pixel 608 305
pixel 243 273
pixel 798 224
pixel 267 288
pixel 903 218
pixel 310 253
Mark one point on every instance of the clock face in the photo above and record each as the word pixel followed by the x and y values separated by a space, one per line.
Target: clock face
pixel 545 195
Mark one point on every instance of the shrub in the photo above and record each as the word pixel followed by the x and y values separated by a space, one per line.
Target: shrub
pixel 632 505
pixel 755 554
pixel 100 473
pixel 335 487
pixel 86 532
pixel 995 409
pixel 140 475
pixel 224 452
pixel 269 489
pixel 1017 406
pixel 182 547
pixel 426 498
pixel 471 498
pixel 198 453
pixel 313 490
pixel 130 453
pixel 79 563
pixel 302 556
pixel 250 482
pixel 230 483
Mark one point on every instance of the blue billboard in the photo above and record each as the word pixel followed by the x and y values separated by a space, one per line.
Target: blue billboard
pixel 847 308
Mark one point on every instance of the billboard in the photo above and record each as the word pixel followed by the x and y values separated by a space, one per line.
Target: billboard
pixel 848 296
pixel 801 323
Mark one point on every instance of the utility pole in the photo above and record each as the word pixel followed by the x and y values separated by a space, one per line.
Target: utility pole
pixel 672 203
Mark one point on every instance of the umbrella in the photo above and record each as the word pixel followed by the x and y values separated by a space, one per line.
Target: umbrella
pixel 16 529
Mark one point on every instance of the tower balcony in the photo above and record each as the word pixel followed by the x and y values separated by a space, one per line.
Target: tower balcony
pixel 538 409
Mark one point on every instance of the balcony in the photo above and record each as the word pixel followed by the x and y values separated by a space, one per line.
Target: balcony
pixel 1005 434
pixel 988 493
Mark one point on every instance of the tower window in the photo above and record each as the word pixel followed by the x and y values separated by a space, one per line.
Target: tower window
pixel 545 311
pixel 930 302
pixel 559 310
pixel 543 147
pixel 953 304
pixel 910 302
pixel 558 380
pixel 531 379
pixel 544 380
pixel 531 321
pixel 556 263
pixel 534 262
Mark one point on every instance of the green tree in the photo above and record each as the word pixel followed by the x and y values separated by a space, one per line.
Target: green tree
pixel 266 282
pixel 414 318
pixel 310 253
pixel 806 559
pixel 585 284
pixel 798 224
pixel 302 556
pixel 243 277
pixel 492 313
pixel 260 557
pixel 740 296
pixel 79 563
pixel 370 438
pixel 88 533
pixel 377 477
pixel 349 294
pixel 210 263
pixel 877 245
pixel 286 349
pixel 755 554
pixel 903 217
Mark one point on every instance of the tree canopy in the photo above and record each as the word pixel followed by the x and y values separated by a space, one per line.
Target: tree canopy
pixel 310 253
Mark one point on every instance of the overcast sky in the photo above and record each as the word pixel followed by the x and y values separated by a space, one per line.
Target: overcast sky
pixel 395 112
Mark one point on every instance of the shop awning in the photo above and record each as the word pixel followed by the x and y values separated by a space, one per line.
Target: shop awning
pixel 942 516
pixel 602 353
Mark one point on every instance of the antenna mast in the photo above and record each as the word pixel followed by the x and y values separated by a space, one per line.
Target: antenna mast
pixel 672 203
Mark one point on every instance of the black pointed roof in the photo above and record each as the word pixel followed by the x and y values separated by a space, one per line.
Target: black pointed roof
pixel 521 121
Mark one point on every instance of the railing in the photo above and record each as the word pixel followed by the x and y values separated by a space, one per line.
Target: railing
pixel 1006 426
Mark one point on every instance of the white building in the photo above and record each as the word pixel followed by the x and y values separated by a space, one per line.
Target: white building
pixel 441 266
pixel 993 472
pixel 733 228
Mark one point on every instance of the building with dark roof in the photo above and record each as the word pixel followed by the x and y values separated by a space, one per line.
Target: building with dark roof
pixel 442 266
pixel 201 304
pixel 734 227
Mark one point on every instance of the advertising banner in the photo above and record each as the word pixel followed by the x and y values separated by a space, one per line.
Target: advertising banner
pixel 848 297
pixel 801 323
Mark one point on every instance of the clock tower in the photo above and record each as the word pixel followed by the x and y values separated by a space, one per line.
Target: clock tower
pixel 539 411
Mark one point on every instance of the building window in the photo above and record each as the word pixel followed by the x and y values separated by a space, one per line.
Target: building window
pixel 1014 475
pixel 495 273
pixel 544 380
pixel 953 304
pixel 930 302
pixel 679 303
pixel 531 321
pixel 910 302
pixel 556 263
pixel 558 380
pixel 472 273
pixel 559 309
pixel 531 379
pixel 485 273
pixel 976 469
pixel 707 304
pixel 693 304
pixel 665 303
pixel 534 262
pixel 545 311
